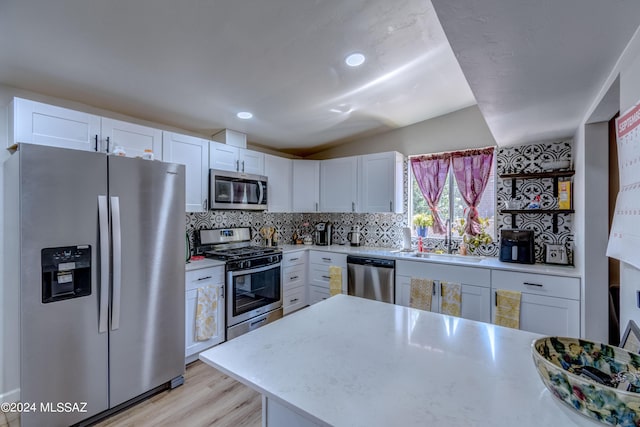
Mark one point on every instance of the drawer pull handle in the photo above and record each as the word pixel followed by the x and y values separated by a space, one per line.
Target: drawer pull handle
pixel 532 284
pixel 326 259
pixel 326 277
pixel 293 259
pixel 204 278
pixel 293 277
pixel 293 300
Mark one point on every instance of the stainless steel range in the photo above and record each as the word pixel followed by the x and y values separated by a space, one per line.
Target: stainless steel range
pixel 254 289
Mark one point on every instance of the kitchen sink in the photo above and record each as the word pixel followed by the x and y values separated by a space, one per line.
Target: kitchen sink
pixel 447 257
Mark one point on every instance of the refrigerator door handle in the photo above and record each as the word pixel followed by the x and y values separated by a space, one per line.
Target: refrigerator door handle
pixel 103 217
pixel 117 262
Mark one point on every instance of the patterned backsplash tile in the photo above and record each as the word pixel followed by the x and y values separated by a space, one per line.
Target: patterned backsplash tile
pixel 385 229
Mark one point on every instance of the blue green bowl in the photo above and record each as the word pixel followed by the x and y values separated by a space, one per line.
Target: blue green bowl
pixel 597 380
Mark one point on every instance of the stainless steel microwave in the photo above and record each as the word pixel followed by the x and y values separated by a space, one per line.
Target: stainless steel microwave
pixel 233 190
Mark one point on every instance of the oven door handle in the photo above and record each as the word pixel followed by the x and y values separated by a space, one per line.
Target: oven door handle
pixel 254 270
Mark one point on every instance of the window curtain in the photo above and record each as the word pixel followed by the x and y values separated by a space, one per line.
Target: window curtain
pixel 431 174
pixel 471 169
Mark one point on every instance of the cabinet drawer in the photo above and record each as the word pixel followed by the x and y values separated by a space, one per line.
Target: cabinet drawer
pixel 317 294
pixel 293 276
pixel 294 299
pixel 319 275
pixel 538 284
pixel 318 257
pixel 293 258
pixel 204 277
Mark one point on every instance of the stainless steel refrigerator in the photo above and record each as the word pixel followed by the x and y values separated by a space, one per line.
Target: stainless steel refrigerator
pixel 95 244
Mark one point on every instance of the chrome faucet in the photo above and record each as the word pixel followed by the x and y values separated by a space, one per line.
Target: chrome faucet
pixel 448 237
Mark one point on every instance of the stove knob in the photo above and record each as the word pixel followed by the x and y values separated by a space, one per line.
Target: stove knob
pixel 247 264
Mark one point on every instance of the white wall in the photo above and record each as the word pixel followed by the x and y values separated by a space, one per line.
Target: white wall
pixel 459 130
pixel 589 145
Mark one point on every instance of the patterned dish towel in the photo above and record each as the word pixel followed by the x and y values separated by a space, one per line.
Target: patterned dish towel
pixel 206 313
pixel 335 280
pixel 508 309
pixel 421 293
pixel 451 298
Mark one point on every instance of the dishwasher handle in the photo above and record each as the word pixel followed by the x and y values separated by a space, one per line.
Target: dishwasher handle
pixel 373 262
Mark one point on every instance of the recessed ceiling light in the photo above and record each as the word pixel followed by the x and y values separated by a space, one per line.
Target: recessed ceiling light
pixel 245 115
pixel 355 59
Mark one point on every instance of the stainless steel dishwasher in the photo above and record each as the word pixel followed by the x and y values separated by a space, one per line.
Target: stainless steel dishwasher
pixel 372 278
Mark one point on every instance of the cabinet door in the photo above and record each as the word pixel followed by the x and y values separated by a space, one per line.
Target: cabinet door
pixel 548 315
pixel 293 299
pixel 403 293
pixel 134 139
pixel 278 171
pixel 223 157
pixel 193 153
pixel 380 182
pixel 305 193
pixel 192 346
pixel 251 161
pixel 37 123
pixel 476 303
pixel 338 185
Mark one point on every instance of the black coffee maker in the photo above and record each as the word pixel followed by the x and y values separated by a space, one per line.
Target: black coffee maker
pixel 517 246
pixel 323 233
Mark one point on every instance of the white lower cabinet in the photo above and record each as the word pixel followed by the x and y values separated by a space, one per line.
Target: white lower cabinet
pixel 475 286
pixel 294 289
pixel 319 263
pixel 213 276
pixel 549 305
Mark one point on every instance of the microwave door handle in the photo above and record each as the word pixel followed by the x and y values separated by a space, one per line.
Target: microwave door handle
pixel 103 220
pixel 261 196
pixel 117 262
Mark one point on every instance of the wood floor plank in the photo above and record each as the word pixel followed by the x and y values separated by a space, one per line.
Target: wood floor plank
pixel 207 398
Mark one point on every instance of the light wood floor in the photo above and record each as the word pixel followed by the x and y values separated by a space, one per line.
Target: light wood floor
pixel 207 398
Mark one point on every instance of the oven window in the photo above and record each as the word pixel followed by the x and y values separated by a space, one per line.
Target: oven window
pixel 255 290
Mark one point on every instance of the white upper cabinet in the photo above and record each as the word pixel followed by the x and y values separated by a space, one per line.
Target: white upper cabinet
pixel 305 192
pixel 339 185
pixel 235 159
pixel 381 180
pixel 37 123
pixel 279 172
pixel 193 153
pixel 133 138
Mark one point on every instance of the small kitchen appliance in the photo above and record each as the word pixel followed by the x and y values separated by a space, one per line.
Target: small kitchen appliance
pixel 323 233
pixel 556 254
pixel 354 236
pixel 254 289
pixel 517 246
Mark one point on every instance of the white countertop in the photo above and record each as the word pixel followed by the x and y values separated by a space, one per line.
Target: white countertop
pixel 349 361
pixel 204 263
pixel 486 262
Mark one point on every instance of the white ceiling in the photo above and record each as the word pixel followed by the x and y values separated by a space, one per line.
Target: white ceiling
pixel 536 66
pixel 193 64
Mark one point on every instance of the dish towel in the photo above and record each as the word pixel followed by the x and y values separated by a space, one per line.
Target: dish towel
pixel 508 308
pixel 335 280
pixel 421 293
pixel 206 313
pixel 451 298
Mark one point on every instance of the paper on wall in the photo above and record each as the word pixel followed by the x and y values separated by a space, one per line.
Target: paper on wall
pixel 624 239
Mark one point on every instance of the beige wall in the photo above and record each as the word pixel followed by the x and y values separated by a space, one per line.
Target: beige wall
pixel 462 129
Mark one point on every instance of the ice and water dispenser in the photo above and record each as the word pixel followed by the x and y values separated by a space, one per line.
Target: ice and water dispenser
pixel 66 273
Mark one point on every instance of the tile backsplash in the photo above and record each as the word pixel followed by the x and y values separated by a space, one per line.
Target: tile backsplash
pixel 385 229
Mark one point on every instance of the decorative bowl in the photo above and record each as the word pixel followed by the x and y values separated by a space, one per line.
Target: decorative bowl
pixel 597 380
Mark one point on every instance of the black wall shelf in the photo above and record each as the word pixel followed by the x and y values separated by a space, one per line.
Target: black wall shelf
pixel 554 212
pixel 533 175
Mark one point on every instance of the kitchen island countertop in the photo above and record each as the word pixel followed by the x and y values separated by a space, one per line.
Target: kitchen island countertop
pixel 349 361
